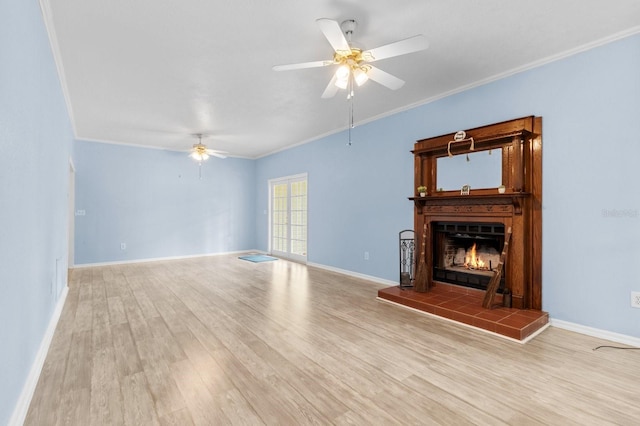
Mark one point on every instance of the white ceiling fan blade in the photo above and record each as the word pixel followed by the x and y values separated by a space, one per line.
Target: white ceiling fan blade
pixel 302 65
pixel 402 47
pixel 384 78
pixel 216 153
pixel 332 31
pixel 331 89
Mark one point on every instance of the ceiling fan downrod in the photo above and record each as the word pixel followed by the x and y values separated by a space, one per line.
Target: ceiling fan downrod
pixel 348 27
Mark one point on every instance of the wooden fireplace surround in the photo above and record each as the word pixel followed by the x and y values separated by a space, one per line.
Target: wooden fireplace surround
pixel 519 207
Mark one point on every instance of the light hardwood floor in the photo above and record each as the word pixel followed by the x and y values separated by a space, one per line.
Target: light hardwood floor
pixel 218 340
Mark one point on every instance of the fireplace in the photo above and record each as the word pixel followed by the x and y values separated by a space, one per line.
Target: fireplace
pixel 472 229
pixel 466 228
pixel 467 254
pixel 470 226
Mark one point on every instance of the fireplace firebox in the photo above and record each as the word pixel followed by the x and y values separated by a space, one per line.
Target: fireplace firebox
pixel 467 254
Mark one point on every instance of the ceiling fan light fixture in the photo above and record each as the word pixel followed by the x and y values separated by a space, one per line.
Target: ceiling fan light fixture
pixel 199 156
pixel 199 151
pixel 343 72
pixel 342 81
pixel 342 84
pixel 360 76
pixel 342 76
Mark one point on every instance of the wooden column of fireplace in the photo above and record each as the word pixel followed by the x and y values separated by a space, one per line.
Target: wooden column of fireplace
pixel 519 207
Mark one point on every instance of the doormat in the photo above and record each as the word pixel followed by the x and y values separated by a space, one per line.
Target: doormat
pixel 257 258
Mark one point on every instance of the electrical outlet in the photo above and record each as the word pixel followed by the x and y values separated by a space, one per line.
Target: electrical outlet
pixel 366 255
pixel 123 246
pixel 635 299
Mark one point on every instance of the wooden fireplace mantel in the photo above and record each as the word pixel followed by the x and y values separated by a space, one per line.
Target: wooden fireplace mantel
pixel 485 203
pixel 519 207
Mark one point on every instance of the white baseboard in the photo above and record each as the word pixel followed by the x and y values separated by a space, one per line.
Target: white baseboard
pixel 596 332
pixel 160 259
pixel 353 274
pixel 22 406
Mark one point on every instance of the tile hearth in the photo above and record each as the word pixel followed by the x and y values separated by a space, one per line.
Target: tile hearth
pixel 464 305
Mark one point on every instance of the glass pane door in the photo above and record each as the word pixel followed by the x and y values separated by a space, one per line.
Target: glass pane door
pixel 280 219
pixel 288 222
pixel 298 221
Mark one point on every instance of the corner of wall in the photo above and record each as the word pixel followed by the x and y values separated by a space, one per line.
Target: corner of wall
pixel 22 406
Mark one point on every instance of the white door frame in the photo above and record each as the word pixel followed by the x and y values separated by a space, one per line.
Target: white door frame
pixel 270 183
pixel 71 198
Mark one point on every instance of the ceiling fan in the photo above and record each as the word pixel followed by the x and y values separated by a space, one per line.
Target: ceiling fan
pixel 201 153
pixel 353 62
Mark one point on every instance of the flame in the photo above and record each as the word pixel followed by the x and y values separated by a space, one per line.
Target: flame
pixel 472 261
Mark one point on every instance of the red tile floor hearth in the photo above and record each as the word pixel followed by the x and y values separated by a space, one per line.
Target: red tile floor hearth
pixel 464 305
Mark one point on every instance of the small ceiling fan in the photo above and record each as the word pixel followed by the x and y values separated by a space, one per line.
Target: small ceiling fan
pixel 201 153
pixel 353 62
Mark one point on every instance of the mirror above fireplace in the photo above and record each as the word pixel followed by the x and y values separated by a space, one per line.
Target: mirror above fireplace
pixel 478 169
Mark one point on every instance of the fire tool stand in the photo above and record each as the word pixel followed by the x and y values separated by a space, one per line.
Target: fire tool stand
pixel 407 241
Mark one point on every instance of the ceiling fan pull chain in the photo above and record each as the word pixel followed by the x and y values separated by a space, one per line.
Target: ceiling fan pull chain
pixel 351 125
pixel 350 122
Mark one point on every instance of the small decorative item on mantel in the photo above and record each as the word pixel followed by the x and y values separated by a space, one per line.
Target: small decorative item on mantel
pixel 501 189
pixel 422 190
pixel 465 190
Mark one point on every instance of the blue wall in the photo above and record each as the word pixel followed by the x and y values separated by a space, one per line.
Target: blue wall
pixel 590 103
pixel 35 145
pixel 357 195
pixel 154 201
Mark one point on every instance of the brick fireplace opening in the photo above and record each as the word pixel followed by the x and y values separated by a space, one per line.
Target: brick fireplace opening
pixel 467 254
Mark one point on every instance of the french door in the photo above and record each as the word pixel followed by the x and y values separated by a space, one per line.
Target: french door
pixel 288 217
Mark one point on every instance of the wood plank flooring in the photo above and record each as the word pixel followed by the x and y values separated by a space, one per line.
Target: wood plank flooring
pixel 218 340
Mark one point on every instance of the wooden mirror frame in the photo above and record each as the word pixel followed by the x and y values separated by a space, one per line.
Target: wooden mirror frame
pixel 515 137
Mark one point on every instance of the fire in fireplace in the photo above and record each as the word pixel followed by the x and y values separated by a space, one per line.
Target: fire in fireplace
pixel 467 254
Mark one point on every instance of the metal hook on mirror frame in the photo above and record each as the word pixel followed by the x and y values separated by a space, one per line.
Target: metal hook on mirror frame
pixel 471 148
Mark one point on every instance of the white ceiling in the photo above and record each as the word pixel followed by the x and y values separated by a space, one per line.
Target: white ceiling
pixel 154 72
